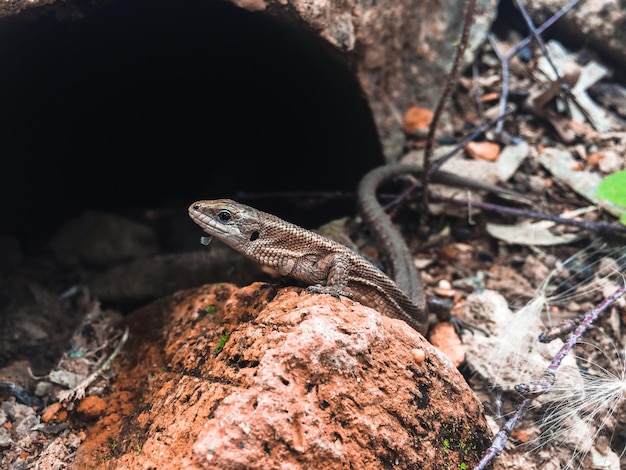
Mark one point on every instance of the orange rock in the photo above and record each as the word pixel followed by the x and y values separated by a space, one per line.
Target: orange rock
pixel 301 381
pixel 483 150
pixel 521 435
pixel 595 158
pixel 444 337
pixel 490 97
pixel 91 408
pixel 417 119
pixel 61 416
pixel 50 412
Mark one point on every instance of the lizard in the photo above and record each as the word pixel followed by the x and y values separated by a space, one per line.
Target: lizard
pixel 328 266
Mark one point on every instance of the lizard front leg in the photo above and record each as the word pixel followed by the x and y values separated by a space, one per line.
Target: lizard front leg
pixel 335 268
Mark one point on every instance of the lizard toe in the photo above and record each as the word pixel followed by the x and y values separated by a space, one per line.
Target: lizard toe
pixel 334 291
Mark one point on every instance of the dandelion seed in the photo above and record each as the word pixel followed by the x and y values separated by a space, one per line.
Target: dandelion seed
pixel 586 404
pixel 577 417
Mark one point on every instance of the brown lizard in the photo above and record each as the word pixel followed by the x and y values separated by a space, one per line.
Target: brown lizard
pixel 326 265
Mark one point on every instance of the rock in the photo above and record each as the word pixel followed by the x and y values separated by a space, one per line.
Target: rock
pixel 5 438
pixel 101 239
pixel 91 407
pixel 51 412
pixel 131 285
pixel 599 22
pixel 483 150
pixel 255 378
pixel 39 321
pixel 444 337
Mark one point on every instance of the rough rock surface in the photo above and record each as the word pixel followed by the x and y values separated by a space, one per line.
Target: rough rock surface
pixel 220 377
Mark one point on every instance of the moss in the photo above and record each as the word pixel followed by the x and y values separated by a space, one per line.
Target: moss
pixel 221 342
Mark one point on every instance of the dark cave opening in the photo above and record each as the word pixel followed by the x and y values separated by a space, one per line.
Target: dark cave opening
pixel 141 103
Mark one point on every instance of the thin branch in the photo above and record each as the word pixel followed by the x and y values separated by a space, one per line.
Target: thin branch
pixel 497 446
pixel 590 226
pixel 451 79
pixel 504 59
pixel 78 391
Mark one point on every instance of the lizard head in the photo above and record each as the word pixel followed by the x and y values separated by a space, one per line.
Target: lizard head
pixel 232 222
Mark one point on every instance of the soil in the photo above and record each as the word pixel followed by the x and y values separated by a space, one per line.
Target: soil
pixel 58 339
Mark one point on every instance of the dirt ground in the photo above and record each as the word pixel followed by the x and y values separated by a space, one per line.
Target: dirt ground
pixel 55 350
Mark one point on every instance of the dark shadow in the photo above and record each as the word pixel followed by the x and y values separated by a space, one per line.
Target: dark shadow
pixel 145 102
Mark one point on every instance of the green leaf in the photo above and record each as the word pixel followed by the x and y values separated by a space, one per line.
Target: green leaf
pixel 611 194
pixel 613 188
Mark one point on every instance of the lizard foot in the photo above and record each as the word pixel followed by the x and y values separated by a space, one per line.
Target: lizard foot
pixel 334 291
pixel 442 308
pixel 461 325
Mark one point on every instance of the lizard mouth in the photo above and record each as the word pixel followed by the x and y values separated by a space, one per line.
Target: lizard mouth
pixel 208 215
pixel 208 224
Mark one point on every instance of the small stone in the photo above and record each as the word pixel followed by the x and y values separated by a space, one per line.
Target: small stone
pixel 611 162
pixel 578 166
pixel 91 408
pixel 43 388
pixel 444 337
pixel 522 435
pixel 595 158
pixel 50 412
pixel 416 120
pixel 25 425
pixel 419 355
pixel 447 293
pixel 490 97
pixel 5 438
pixel 483 151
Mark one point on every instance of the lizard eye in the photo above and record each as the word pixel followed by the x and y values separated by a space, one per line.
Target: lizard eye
pixel 224 216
